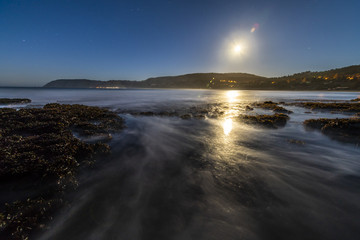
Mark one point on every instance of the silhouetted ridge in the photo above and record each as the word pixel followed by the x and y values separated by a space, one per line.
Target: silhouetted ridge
pixel 347 78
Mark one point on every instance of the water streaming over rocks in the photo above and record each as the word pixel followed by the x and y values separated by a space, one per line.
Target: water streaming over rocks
pixel 213 177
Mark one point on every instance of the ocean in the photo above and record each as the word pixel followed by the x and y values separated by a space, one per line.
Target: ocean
pixel 210 178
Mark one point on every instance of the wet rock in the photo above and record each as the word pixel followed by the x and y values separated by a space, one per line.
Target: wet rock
pixel 5 101
pixel 199 116
pixel 334 107
pixel 248 108
pixel 31 215
pixel 341 129
pixel 167 114
pixel 147 113
pixel 40 156
pixel 195 112
pixel 269 105
pixel 355 100
pixel 269 121
pixel 185 116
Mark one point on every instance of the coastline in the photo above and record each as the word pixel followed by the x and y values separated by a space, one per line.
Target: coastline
pixel 210 89
pixel 57 118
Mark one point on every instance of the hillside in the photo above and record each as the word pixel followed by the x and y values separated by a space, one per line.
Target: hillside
pixel 86 83
pixel 204 80
pixel 73 83
pixel 347 78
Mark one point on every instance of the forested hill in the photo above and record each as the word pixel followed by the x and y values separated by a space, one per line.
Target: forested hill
pixel 347 78
pixel 203 80
pixel 195 80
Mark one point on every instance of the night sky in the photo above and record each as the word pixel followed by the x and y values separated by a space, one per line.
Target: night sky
pixel 44 40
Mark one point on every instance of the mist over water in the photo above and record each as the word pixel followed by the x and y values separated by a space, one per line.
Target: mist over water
pixel 212 178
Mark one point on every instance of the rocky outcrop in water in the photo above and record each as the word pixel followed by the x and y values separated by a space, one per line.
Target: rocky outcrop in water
pixel 269 121
pixel 341 129
pixel 6 101
pixel 333 106
pixel 269 105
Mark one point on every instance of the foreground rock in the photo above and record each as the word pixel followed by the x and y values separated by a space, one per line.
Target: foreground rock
pixel 344 129
pixel 269 121
pixel 5 101
pixel 40 158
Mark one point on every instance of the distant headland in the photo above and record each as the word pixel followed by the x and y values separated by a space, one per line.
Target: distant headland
pixel 347 78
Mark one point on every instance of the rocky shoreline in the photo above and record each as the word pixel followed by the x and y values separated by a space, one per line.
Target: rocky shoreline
pixel 40 158
pixel 43 149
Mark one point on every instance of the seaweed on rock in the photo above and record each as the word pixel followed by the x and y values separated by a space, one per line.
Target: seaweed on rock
pixel 28 215
pixel 337 107
pixel 269 105
pixel 40 158
pixel 341 129
pixel 6 101
pixel 269 121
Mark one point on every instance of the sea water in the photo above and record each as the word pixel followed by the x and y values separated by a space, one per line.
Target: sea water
pixel 212 178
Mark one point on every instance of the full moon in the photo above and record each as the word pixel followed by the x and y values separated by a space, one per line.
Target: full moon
pixel 237 48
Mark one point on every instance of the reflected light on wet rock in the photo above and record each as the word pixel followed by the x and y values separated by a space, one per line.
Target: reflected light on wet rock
pixel 227 126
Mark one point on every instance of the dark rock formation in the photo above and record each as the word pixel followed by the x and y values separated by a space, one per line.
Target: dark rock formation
pixel 336 107
pixel 40 158
pixel 5 101
pixel 341 129
pixel 268 121
pixel 272 106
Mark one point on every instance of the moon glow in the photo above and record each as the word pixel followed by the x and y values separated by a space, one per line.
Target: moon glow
pixel 237 48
